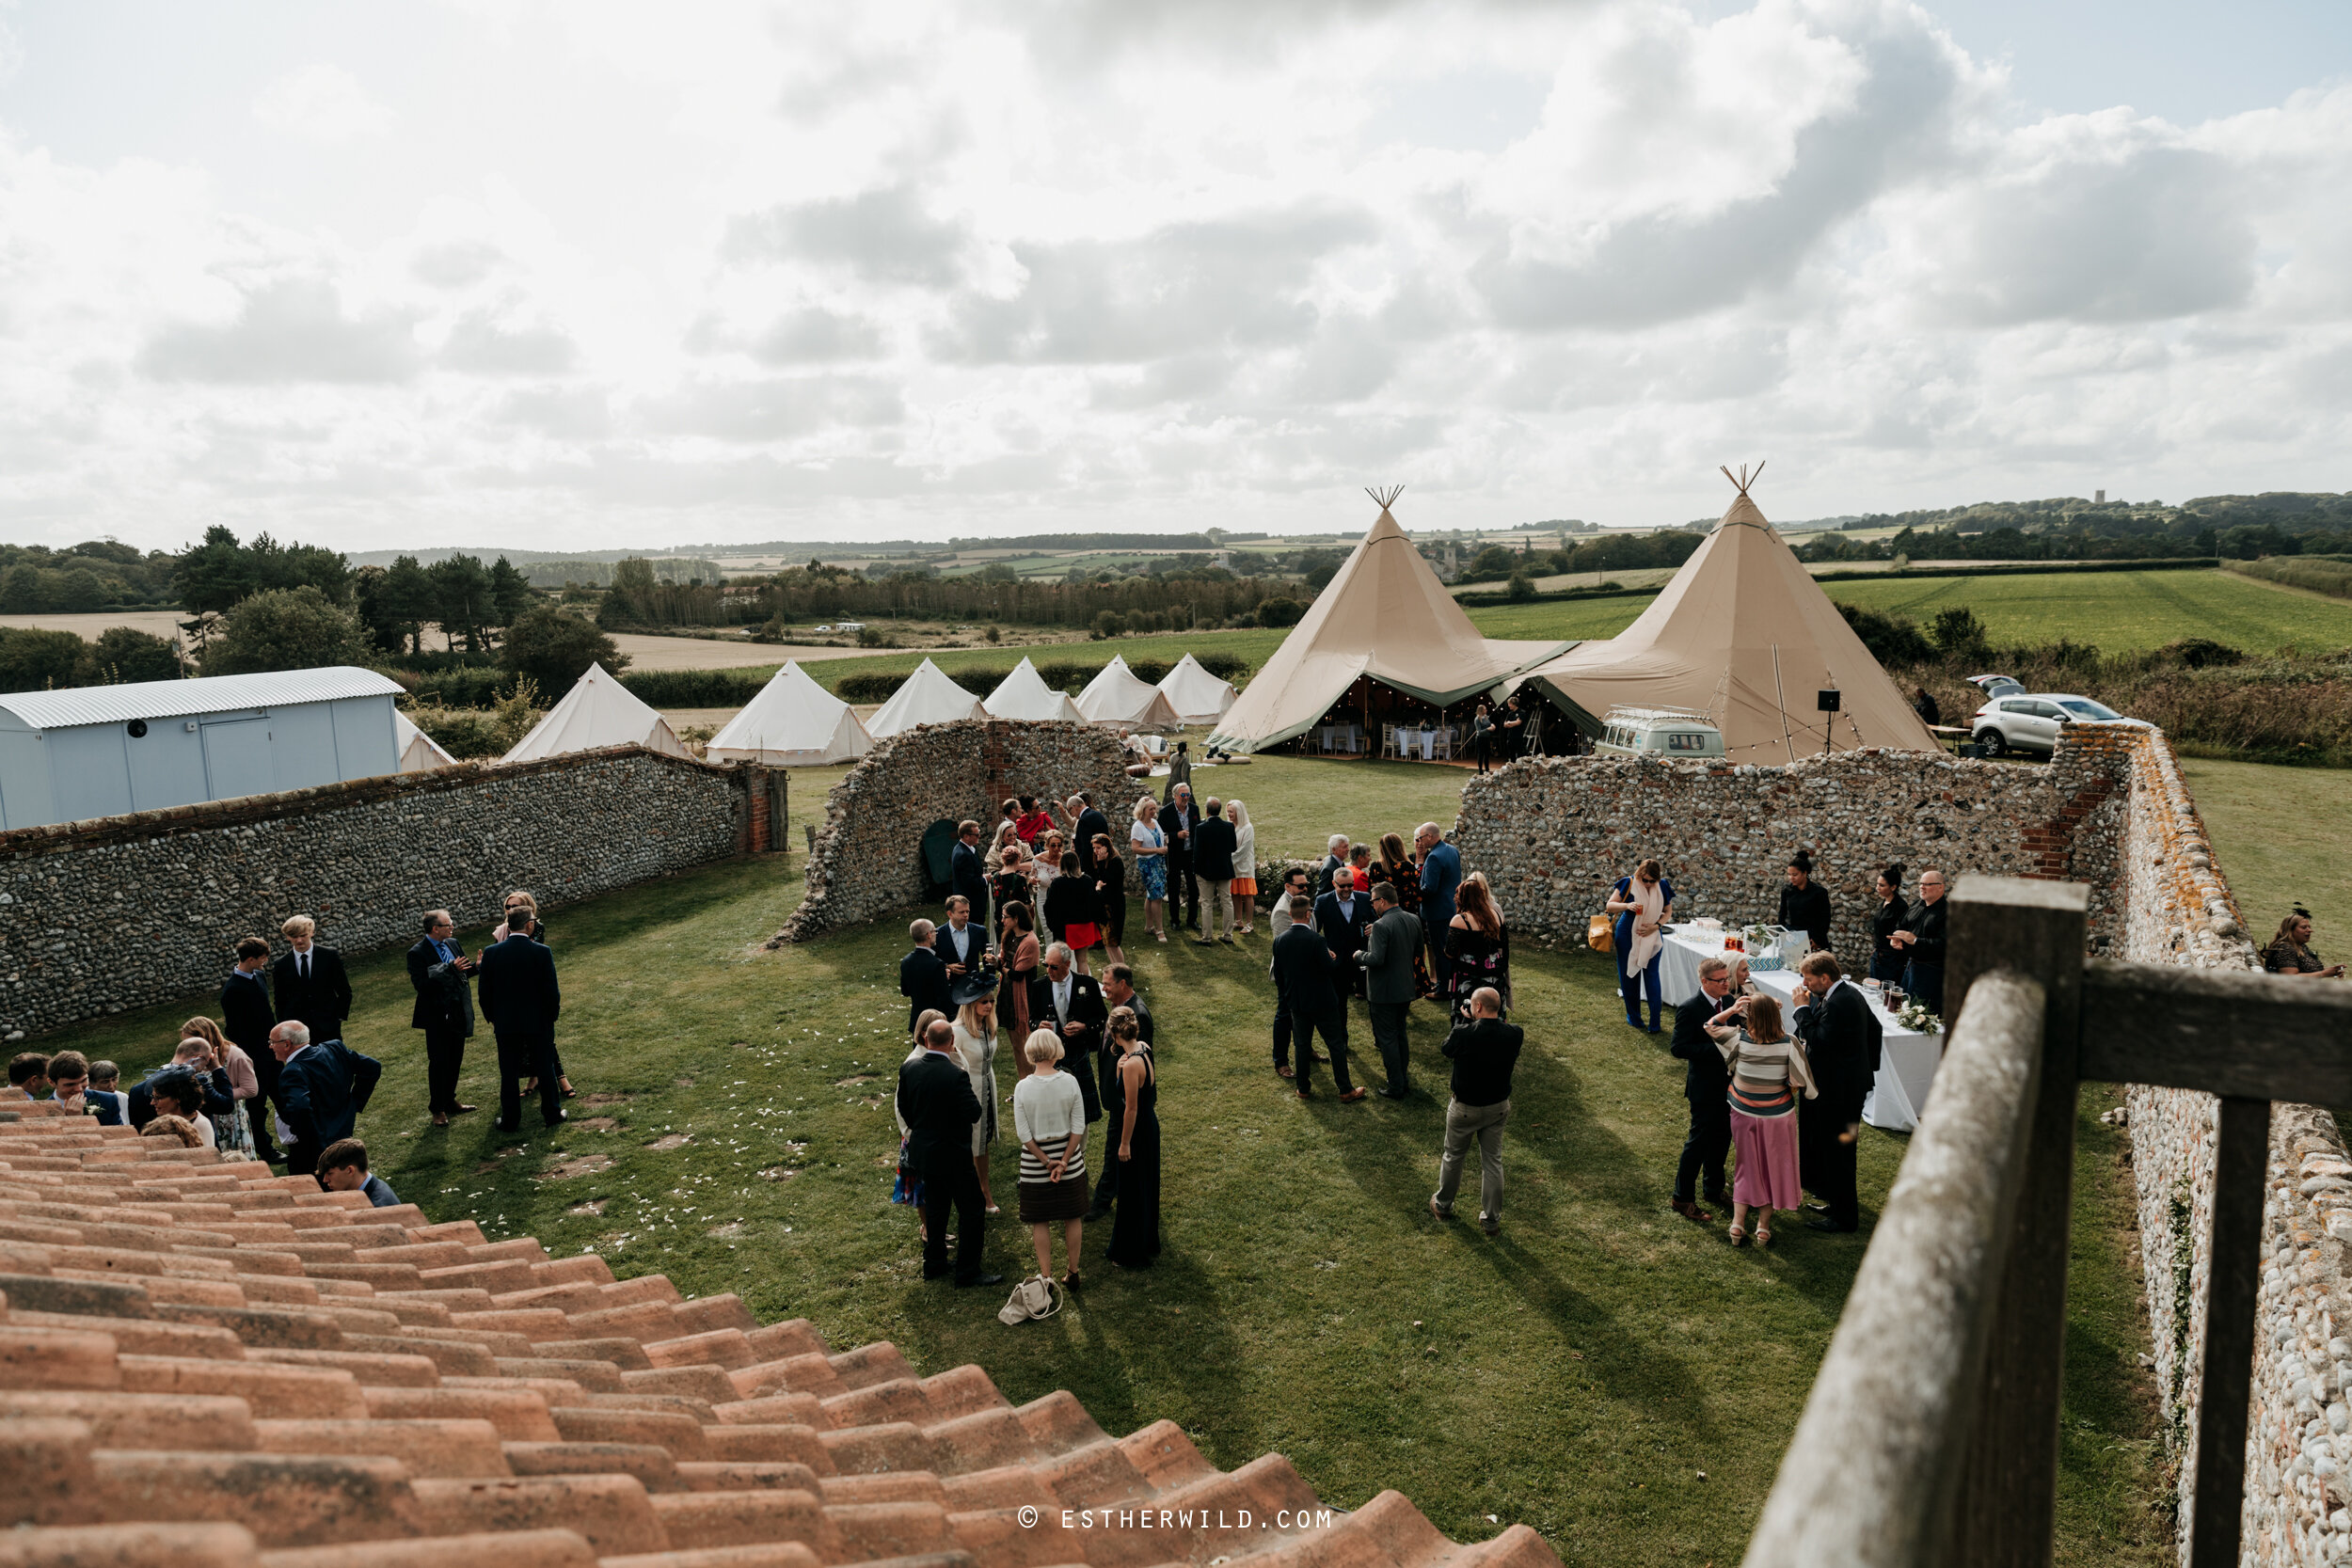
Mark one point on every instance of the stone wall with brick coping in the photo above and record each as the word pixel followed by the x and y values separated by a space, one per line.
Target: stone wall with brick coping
pixel 866 861
pixel 1554 834
pixel 114 912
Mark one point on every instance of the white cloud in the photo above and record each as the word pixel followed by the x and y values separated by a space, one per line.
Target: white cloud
pixel 932 267
pixel 322 103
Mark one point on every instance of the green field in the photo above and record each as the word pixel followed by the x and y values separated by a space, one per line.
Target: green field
pixel 2278 839
pixel 1576 1374
pixel 2120 611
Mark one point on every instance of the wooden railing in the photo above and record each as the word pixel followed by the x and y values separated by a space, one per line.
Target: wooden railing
pixel 1932 1435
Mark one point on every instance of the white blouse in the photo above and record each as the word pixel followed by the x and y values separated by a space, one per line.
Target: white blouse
pixel 1047 1106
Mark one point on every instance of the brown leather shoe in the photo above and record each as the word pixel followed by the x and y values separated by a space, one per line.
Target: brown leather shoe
pixel 1691 1210
pixel 1352 1095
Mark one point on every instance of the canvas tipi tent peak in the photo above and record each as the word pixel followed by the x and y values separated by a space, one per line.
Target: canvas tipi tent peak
pixel 928 696
pixel 1117 695
pixel 596 712
pixel 1024 694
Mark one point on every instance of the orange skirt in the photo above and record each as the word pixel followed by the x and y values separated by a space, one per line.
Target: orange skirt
pixel 1245 887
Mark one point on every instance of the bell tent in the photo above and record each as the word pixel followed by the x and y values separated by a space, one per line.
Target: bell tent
pixel 596 712
pixel 928 697
pixel 1198 697
pixel 1386 620
pixel 794 722
pixel 1024 694
pixel 1744 635
pixel 419 751
pixel 1117 695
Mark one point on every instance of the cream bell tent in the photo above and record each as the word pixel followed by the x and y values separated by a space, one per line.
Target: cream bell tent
pixel 929 697
pixel 794 722
pixel 1198 697
pixel 1117 695
pixel 1024 694
pixel 1385 618
pixel 1744 635
pixel 419 750
pixel 596 712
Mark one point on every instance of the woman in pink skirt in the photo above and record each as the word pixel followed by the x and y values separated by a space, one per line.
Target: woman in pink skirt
pixel 1766 1065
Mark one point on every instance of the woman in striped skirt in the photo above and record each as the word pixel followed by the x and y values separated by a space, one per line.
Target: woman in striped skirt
pixel 1767 1066
pixel 1049 1116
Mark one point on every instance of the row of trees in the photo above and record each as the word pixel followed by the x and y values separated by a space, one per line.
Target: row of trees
pixel 95 574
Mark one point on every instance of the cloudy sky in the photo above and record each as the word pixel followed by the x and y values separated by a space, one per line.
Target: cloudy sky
pixel 576 274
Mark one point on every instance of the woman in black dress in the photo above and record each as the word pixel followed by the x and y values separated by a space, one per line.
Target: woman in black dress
pixel 1804 903
pixel 1886 960
pixel 1135 1226
pixel 1110 893
pixel 1477 945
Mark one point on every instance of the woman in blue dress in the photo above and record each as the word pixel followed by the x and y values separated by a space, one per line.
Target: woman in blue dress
pixel 1642 904
pixel 1150 847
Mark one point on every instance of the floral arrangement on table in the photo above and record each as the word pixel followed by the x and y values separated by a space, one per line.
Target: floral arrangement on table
pixel 1763 944
pixel 1916 1017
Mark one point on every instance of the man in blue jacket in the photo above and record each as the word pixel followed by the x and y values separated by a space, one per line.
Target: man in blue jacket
pixel 518 995
pixel 1440 876
pixel 323 1086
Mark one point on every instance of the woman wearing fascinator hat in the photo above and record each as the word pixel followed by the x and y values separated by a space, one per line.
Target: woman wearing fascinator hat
pixel 974 1001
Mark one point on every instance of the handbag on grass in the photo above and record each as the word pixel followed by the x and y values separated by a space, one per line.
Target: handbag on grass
pixel 1598 937
pixel 1034 1297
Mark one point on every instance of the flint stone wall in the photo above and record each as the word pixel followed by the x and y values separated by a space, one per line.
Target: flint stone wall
pixel 1554 834
pixel 125 912
pixel 2178 910
pixel 867 860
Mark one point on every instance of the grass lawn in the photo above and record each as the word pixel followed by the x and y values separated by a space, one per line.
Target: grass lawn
pixel 1575 1374
pixel 2276 836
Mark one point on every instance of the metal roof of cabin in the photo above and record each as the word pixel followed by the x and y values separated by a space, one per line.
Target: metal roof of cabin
pixel 115 705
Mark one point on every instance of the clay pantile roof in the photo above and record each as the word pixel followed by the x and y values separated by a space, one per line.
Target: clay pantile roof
pixel 234 1369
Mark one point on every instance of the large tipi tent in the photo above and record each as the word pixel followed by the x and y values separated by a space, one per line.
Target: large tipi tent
pixel 1024 694
pixel 794 722
pixel 928 697
pixel 1744 635
pixel 419 751
pixel 1386 617
pixel 597 711
pixel 1198 697
pixel 1117 695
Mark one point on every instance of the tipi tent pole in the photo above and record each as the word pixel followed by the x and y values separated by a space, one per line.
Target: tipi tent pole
pixel 1786 740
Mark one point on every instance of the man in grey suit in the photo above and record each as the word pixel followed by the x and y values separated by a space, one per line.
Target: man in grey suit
pixel 1388 961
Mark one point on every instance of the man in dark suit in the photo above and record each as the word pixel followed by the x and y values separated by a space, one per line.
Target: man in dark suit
pixel 1842 1039
pixel 522 1001
pixel 310 983
pixel 326 1085
pixel 1118 990
pixel 1333 862
pixel 443 978
pixel 1213 845
pixel 1344 919
pixel 961 944
pixel 923 976
pixel 246 1018
pixel 1484 1051
pixel 1179 819
pixel 1302 979
pixel 966 876
pixel 1386 961
pixel 936 1102
pixel 1707 1085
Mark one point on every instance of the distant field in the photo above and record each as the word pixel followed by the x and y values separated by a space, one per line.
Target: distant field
pixel 2120 611
pixel 2116 611
pixel 2276 836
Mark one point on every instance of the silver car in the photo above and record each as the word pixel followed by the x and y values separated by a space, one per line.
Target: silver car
pixel 2032 720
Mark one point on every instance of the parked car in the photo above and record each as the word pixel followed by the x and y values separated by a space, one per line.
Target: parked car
pixel 2032 720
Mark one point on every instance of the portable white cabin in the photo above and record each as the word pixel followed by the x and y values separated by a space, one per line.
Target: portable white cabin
pixel 103 750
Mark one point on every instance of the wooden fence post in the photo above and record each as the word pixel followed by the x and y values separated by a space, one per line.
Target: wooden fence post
pixel 2241 1171
pixel 2007 1500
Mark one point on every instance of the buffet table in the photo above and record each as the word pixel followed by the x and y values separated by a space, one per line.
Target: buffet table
pixel 1906 1064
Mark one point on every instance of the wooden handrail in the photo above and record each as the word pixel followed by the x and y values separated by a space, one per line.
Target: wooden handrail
pixel 1871 1473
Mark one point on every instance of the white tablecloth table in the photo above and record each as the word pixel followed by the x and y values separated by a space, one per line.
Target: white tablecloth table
pixel 1906 1068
